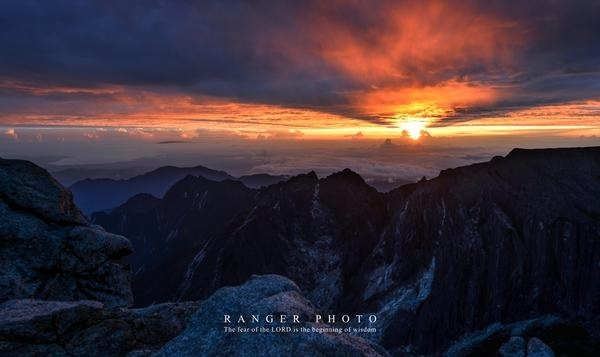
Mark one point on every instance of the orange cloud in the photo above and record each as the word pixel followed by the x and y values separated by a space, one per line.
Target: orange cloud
pixel 37 90
pixel 410 59
pixel 432 102
pixel 409 66
pixel 412 42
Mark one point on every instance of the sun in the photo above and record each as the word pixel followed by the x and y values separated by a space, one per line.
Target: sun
pixel 413 128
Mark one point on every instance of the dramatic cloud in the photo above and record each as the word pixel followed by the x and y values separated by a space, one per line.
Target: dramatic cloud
pixel 381 62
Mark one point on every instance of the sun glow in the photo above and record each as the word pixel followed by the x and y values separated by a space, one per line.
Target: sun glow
pixel 413 128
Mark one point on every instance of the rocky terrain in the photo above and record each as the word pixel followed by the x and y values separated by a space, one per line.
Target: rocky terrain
pixel 87 328
pixel 494 259
pixel 64 290
pixel 512 239
pixel 49 251
pixel 502 242
pixel 263 295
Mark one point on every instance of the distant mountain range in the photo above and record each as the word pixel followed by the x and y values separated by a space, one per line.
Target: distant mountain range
pixel 479 254
pixel 68 176
pixel 100 194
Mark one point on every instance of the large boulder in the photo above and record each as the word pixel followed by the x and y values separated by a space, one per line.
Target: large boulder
pixel 567 338
pixel 262 295
pixel 48 250
pixel 30 188
pixel 515 347
pixel 537 348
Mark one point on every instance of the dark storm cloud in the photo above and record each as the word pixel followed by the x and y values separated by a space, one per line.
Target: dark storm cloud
pixel 207 46
pixel 273 51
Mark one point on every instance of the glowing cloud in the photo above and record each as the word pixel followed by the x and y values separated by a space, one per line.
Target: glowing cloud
pixel 325 69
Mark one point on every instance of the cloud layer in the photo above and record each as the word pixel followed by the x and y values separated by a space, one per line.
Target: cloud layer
pixel 450 61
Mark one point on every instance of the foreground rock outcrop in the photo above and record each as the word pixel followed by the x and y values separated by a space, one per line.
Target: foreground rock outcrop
pixel 63 287
pixel 262 296
pixel 86 328
pixel 48 250
pixel 526 338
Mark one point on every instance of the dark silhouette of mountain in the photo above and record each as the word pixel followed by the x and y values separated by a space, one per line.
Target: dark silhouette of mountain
pixel 505 241
pixel 261 180
pixel 219 223
pixel 71 175
pixel 195 211
pixel 101 194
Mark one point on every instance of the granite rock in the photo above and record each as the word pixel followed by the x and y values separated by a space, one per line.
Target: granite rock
pixel 262 296
pixel 86 328
pixel 48 250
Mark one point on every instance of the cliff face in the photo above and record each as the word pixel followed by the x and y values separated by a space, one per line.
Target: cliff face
pixel 498 242
pixel 507 240
pixel 48 249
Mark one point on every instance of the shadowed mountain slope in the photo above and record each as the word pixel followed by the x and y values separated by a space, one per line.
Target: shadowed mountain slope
pixel 507 240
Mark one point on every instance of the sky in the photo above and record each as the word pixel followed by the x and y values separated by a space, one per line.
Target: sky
pixel 288 86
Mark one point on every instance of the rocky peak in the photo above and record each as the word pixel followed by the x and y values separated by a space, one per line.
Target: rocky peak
pixel 192 183
pixel 306 179
pixel 27 187
pixel 141 202
pixel 48 249
pixel 346 175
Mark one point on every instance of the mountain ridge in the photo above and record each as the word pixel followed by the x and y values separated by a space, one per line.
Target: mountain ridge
pixel 104 193
pixel 416 254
